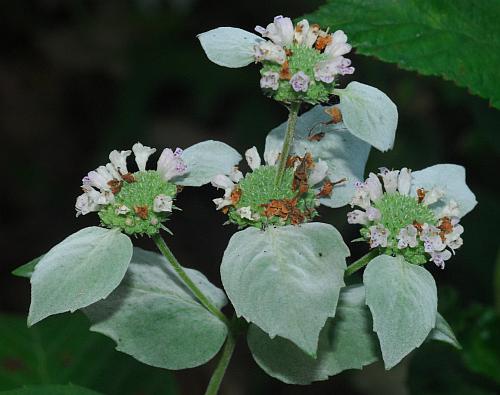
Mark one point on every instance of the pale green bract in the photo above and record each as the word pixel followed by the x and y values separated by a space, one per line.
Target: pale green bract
pixel 369 114
pixel 451 180
pixel 443 332
pixel 345 154
pixel 286 279
pixel 403 300
pixel 155 318
pixel 346 342
pixel 229 46
pixel 205 160
pixel 82 269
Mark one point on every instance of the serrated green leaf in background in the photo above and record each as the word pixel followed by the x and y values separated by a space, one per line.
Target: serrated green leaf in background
pixel 458 40
pixel 369 114
pixel 403 300
pixel 82 269
pixel 286 279
pixel 346 342
pixel 155 318
pixel 61 350
pixel 345 154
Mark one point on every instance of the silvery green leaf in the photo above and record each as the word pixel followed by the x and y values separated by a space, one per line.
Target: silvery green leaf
pixel 229 46
pixel 451 180
pixel 442 332
pixel 153 317
pixel 206 160
pixel 403 300
pixel 27 269
pixel 286 279
pixel 80 270
pixel 346 342
pixel 345 154
pixel 369 114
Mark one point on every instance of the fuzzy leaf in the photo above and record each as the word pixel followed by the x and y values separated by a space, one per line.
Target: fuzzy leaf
pixel 205 160
pixel 155 318
pixel 27 269
pixel 286 279
pixel 229 46
pixel 82 269
pixel 345 154
pixel 369 114
pixel 337 351
pixel 442 332
pixel 451 179
pixel 455 39
pixel 403 300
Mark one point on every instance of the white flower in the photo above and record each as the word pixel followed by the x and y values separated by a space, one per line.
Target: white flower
pixel 253 158
pixel 390 178
pixel 361 196
pixel 113 172
pixel 236 175
pixel 326 70
pixel 338 46
pixel 439 257
pixel 162 203
pixel 267 51
pixel 122 210
pixel 451 209
pixel 433 196
pixel 404 181
pixel 245 212
pixel 222 181
pixel 378 236
pixel 301 30
pixel 119 160
pixel 432 239
pixel 142 154
pixel 300 82
pixel 98 178
pixel 357 217
pixel 453 239
pixel 281 31
pixel 170 164
pixel 318 173
pixel 374 187
pixel 373 214
pixel 271 157
pixel 407 237
pixel 85 204
pixel 270 80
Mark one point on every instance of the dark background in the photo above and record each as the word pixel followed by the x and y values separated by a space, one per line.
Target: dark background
pixel 81 78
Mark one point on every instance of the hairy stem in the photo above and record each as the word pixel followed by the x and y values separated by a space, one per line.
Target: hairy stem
pixel 225 358
pixel 288 141
pixel 361 262
pixel 204 300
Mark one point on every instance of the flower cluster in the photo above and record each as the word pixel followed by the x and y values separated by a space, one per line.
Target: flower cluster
pixel 136 203
pixel 399 219
pixel 300 63
pixel 256 199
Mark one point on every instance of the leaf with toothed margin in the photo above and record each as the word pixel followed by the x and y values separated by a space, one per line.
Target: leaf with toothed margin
pixel 345 154
pixel 346 342
pixel 229 46
pixel 286 279
pixel 84 268
pixel 451 180
pixel 206 160
pixel 154 317
pixel 369 114
pixel 403 300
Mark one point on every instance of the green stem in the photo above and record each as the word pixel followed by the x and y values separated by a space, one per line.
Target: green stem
pixel 288 141
pixel 225 358
pixel 162 246
pixel 361 262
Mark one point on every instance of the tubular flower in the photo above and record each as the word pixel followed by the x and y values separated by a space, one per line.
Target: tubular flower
pixel 255 199
pixel 400 220
pixel 135 203
pixel 300 63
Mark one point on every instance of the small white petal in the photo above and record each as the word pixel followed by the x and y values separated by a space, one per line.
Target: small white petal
pixel 170 164
pixel 390 179
pixel 433 196
pixel 271 157
pixel 142 154
pixel 373 214
pixel 222 181
pixel 122 210
pixel 119 160
pixel 236 176
pixel 253 158
pixel 245 212
pixel 162 203
pixel 378 236
pixel 357 217
pixel 374 187
pixel 404 181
